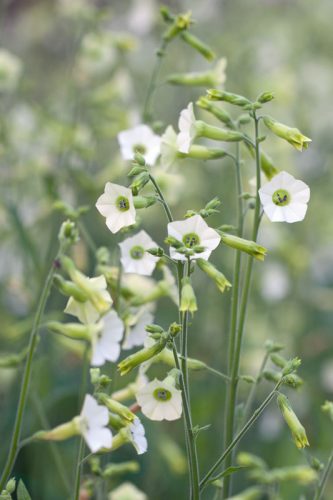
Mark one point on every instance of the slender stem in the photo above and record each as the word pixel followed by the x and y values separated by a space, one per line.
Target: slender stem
pixel 232 395
pixel 14 446
pixel 164 203
pixel 147 113
pixel 192 456
pixel 239 436
pixel 184 342
pixel 323 480
pixel 218 373
pixel 90 242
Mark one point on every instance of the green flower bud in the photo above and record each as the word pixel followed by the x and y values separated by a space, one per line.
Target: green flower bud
pixel 278 360
pixel 302 474
pixel 198 45
pixel 249 460
pixel 293 381
pixel 220 280
pixel 112 470
pixel 181 23
pixel 291 135
pixel 213 204
pixel 188 301
pixel 267 166
pixel 13 360
pixel 139 182
pixel 157 252
pixel 144 201
pixel 174 329
pixel 250 247
pixel 68 235
pixel 212 78
pixel 74 330
pixel 265 97
pixel 136 359
pixel 138 158
pixel 291 366
pixel 136 170
pixel 327 407
pixel 198 152
pixel 297 430
pixel 173 242
pixel 271 376
pixel 154 329
pixel 217 133
pixel 69 289
pixel 116 407
pixel 271 346
pixel 222 95
pixel 10 486
pixel 219 113
pixel 61 432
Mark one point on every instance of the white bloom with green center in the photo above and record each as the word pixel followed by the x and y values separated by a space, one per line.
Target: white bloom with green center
pixel 160 400
pixel 116 204
pixel 187 129
pixel 284 198
pixel 134 257
pixel 140 139
pixel 92 422
pixel 137 334
pixel 106 342
pixel 137 436
pixel 86 312
pixel 193 232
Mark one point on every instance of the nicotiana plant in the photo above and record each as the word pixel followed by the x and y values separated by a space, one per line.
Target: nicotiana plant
pixel 115 310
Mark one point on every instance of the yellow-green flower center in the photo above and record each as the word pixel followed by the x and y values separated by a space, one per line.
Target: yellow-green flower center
pixel 122 203
pixel 281 198
pixel 191 240
pixel 137 252
pixel 139 148
pixel 162 394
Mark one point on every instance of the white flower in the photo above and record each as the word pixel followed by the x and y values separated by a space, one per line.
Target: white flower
pixel 127 491
pixel 137 432
pixel 134 257
pixel 160 400
pixel 192 232
pixel 169 148
pixel 85 311
pixel 187 129
pixel 140 139
pixel 116 204
pixel 137 333
pixel 93 421
pixel 106 343
pixel 285 198
pixel 10 70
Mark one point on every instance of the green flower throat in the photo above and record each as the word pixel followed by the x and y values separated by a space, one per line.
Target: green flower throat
pixel 281 198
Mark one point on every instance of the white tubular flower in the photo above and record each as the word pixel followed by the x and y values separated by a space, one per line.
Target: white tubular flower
pixel 137 436
pixel 134 257
pixel 137 333
pixel 160 400
pixel 169 148
pixel 285 198
pixel 92 421
pixel 85 311
pixel 193 232
pixel 187 129
pixel 10 70
pixel 140 139
pixel 106 342
pixel 116 204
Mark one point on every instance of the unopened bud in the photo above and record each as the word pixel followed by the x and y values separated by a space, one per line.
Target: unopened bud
pixel 267 166
pixel 157 252
pixel 291 135
pixel 198 45
pixel 144 201
pixel 222 95
pixel 297 430
pixel 69 289
pixel 220 280
pixel 188 300
pixel 138 158
pixel 139 182
pixel 265 97
pixel 136 359
pixel 116 407
pixel 250 247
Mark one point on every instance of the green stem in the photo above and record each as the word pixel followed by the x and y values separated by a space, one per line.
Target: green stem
pixel 86 236
pixel 184 335
pixel 147 113
pixel 160 194
pixel 323 480
pixel 239 436
pixel 238 333
pixel 192 455
pixel 14 447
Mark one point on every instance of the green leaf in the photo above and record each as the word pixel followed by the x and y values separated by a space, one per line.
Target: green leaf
pixel 22 492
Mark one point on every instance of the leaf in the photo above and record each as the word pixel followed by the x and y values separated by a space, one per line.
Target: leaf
pixel 227 472
pixel 22 492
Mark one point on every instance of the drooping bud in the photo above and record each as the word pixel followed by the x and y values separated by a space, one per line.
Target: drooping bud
pixel 136 359
pixel 116 407
pixel 267 166
pixel 265 97
pixel 139 182
pixel 198 45
pixel 219 113
pixel 188 301
pixel 69 289
pixel 144 201
pixel 220 280
pixel 75 331
pixel 297 430
pixel 222 95
pixel 291 135
pixel 68 235
pixel 247 246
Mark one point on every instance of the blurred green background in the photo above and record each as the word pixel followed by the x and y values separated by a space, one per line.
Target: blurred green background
pixel 82 73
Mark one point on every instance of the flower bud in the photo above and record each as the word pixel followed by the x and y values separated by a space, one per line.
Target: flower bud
pixel 220 280
pixel 271 346
pixel 222 95
pixel 69 289
pixel 217 133
pixel 112 470
pixel 291 366
pixel 154 329
pixel 157 252
pixel 212 78
pixel 198 152
pixel 219 113
pixel 136 170
pixel 61 432
pixel 249 460
pixel 271 376
pixel 250 247
pixel 198 45
pixel 267 166
pixel 297 430
pixel 292 135
pixel 10 486
pixel 173 242
pixel 278 360
pixel 13 360
pixel 293 381
pixel 213 204
pixel 68 235
pixel 265 97
pixel 136 359
pixel 327 407
pixel 144 201
pixel 75 331
pixel 139 182
pixel 181 23
pixel 174 329
pixel 188 301
pixel 138 158
pixel 116 407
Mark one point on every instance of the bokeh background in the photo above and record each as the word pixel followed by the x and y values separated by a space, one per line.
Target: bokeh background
pixel 80 77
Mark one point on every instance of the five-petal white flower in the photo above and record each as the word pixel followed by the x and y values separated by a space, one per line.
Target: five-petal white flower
pixel 134 257
pixel 138 438
pixel 187 129
pixel 284 198
pixel 92 421
pixel 137 333
pixel 86 312
pixel 106 342
pixel 116 204
pixel 140 139
pixel 193 232
pixel 160 400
